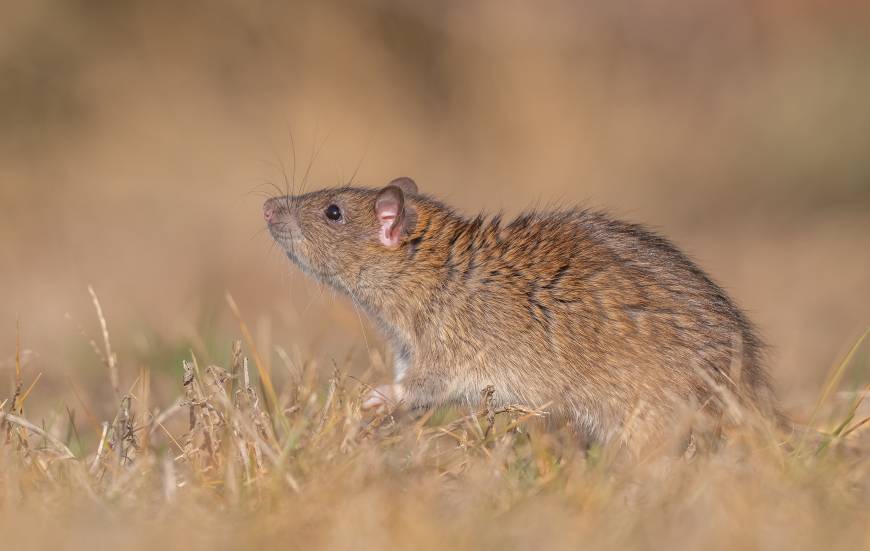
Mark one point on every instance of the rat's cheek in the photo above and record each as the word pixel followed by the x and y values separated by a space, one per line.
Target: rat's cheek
pixel 293 226
pixel 300 250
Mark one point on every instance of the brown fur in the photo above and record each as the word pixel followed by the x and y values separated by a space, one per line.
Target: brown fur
pixel 604 320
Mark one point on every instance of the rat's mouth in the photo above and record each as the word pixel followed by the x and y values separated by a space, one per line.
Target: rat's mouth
pixel 289 239
pixel 282 234
pixel 289 242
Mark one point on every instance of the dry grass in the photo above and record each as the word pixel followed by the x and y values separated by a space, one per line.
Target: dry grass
pixel 236 463
pixel 134 140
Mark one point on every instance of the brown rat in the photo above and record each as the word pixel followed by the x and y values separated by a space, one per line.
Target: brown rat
pixel 603 320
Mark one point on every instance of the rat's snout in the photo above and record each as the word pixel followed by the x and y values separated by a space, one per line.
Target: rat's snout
pixel 276 209
pixel 270 209
pixel 278 214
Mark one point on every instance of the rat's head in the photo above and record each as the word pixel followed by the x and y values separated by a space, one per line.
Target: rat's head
pixel 341 234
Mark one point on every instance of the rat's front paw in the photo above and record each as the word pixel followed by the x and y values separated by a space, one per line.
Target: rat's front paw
pixel 382 398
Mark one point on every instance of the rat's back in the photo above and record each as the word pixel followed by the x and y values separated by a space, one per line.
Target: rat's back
pixel 604 320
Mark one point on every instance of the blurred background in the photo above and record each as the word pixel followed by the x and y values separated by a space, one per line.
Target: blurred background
pixel 139 139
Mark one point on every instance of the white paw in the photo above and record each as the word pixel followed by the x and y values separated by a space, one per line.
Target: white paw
pixel 382 397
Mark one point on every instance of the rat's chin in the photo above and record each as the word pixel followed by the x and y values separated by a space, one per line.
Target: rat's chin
pixel 303 265
pixel 293 254
pixel 282 236
pixel 294 249
pixel 286 241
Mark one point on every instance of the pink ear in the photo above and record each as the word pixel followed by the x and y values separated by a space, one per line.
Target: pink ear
pixel 407 185
pixel 390 210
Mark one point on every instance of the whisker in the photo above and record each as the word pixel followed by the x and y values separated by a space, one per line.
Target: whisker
pixel 275 187
pixel 283 169
pixel 261 192
pixel 313 297
pixel 359 164
pixel 363 331
pixel 286 181
pixel 292 153
pixel 315 152
pixel 258 232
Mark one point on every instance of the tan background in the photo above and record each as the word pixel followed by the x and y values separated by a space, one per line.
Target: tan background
pixel 136 141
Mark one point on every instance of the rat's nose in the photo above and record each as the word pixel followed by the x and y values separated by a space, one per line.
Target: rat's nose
pixel 270 207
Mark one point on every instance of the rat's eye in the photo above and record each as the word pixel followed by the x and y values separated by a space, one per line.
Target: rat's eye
pixel 333 213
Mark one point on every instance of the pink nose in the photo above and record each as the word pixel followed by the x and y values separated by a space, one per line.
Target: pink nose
pixel 274 209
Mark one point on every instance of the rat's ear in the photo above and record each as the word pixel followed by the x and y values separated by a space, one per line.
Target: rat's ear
pixel 394 219
pixel 407 185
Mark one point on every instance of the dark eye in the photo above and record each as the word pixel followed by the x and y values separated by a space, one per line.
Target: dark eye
pixel 333 213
